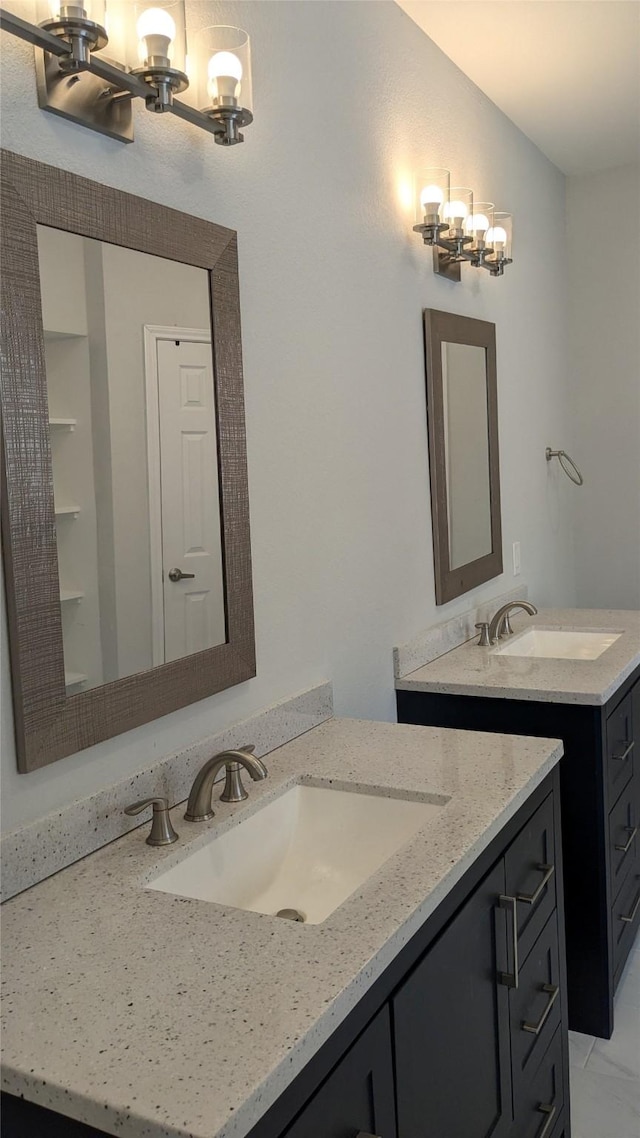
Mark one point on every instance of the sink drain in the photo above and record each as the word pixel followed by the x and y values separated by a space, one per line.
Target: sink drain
pixel 291 915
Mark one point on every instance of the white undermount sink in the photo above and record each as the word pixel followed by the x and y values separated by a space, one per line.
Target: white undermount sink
pixel 559 644
pixel 306 850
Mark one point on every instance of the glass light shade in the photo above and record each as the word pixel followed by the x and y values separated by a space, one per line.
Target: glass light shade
pixel 149 35
pixel 431 190
pixel 220 69
pixel 478 223
pixel 456 210
pixel 58 10
pixel 500 237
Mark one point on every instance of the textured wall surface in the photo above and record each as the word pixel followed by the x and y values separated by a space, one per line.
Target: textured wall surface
pixel 349 99
pixel 604 338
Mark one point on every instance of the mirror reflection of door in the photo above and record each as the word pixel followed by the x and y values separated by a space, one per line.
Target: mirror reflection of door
pixel 466 440
pixel 135 485
pixel 188 605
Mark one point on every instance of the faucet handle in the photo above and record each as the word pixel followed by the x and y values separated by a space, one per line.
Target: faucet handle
pixel 483 629
pixel 162 832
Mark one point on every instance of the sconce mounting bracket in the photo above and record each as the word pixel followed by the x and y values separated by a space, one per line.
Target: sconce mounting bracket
pixel 83 97
pixel 445 265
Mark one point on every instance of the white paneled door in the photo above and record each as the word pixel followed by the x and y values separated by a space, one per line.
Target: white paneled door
pixel 189 508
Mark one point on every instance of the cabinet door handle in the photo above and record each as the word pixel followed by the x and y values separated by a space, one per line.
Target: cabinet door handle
pixel 625 754
pixel 552 991
pixel 531 898
pixel 550 1111
pixel 510 979
pixel 632 915
pixel 632 831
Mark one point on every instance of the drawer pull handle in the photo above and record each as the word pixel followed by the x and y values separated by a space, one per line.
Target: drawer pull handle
pixel 531 898
pixel 632 831
pixel 510 979
pixel 552 991
pixel 632 915
pixel 550 1111
pixel 625 754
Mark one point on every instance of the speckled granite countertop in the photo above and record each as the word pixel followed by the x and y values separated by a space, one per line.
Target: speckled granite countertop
pixel 149 1015
pixel 470 670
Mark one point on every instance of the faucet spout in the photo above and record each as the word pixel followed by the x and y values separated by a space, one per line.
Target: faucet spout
pixel 199 806
pixel 500 625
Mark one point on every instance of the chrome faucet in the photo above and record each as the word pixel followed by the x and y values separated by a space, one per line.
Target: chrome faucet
pixel 199 806
pixel 500 625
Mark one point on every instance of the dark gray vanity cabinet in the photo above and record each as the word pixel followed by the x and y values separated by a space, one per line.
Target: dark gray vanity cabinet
pixel 447 1005
pixel 464 1035
pixel 600 790
pixel 358 1097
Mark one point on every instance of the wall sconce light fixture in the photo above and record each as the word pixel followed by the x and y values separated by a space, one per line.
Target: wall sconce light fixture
pixel 146 58
pixel 458 229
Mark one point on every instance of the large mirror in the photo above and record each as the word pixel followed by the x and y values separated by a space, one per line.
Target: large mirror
pixel 462 417
pixel 125 527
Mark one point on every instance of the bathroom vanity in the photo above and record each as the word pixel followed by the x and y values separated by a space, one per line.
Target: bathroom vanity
pixel 435 991
pixel 593 705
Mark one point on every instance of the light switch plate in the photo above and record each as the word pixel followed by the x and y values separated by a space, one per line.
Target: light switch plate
pixel 516 559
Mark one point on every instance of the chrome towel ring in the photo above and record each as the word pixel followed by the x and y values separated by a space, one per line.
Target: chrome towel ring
pixel 567 464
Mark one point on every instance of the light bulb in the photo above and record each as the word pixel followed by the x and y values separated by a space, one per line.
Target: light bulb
pixel 431 195
pixel 456 213
pixel 224 72
pixel 477 223
pixel 156 31
pixel 497 237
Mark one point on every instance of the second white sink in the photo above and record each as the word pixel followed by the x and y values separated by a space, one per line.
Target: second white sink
pixel 559 644
pixel 307 850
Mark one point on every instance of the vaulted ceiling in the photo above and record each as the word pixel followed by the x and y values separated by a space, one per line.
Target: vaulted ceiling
pixel 567 72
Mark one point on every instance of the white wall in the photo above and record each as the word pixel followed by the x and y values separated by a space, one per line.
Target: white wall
pixel 349 99
pixel 603 233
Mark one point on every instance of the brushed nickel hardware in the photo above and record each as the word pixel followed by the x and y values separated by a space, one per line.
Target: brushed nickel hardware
pixel 553 992
pixel 531 898
pixel 625 754
pixel 483 629
pixel 74 80
pixel 234 791
pixel 632 831
pixel 630 918
pixel 500 625
pixel 458 229
pixel 162 832
pixel 511 979
pixel 550 1110
pixel 567 464
pixel 178 575
pixel 199 806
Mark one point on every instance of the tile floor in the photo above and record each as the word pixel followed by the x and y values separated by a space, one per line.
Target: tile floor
pixel 605 1074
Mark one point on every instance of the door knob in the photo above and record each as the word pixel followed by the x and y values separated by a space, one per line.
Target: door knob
pixel 178 575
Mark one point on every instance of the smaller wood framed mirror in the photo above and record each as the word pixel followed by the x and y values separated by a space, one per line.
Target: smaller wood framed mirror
pixel 462 420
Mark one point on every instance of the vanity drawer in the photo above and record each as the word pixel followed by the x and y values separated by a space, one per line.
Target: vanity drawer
pixel 530 876
pixel 625 919
pixel 620 746
pixel 542 1097
pixel 624 839
pixel 534 1010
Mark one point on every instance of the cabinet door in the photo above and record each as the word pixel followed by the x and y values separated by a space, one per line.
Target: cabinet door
pixel 451 1026
pixel 358 1096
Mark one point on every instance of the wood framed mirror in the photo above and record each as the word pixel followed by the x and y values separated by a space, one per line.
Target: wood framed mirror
pixel 464 467
pixel 125 513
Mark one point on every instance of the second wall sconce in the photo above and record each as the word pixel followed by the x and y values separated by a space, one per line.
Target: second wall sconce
pixel 459 230
pixel 145 56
